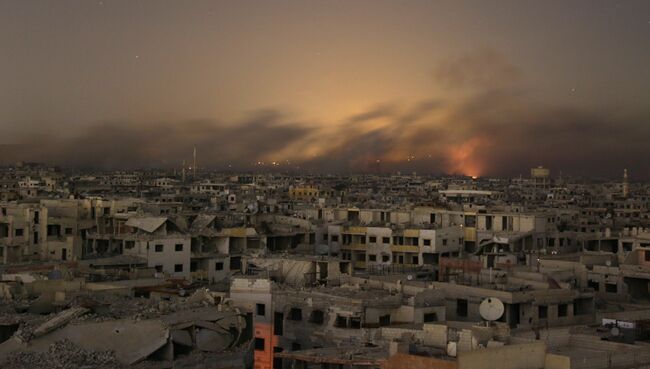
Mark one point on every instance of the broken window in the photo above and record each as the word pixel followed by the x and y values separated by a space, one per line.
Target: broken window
pixel 158 248
pixel 384 320
pixel 260 309
pixel 259 344
pixel 317 317
pixel 178 268
pixel 18 232
pixel 179 247
pixel 295 314
pixel 593 284
pixel 430 317
pixel 385 258
pixel 542 311
pixel 372 257
pixel 218 266
pixel 159 268
pixel 611 288
pixel 335 238
pixel 415 260
pixel 562 310
pixel 355 323
pixel 461 307
pixel 68 231
pixel 341 322
pixel 278 323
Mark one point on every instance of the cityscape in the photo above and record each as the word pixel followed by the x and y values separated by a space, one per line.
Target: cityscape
pixel 367 184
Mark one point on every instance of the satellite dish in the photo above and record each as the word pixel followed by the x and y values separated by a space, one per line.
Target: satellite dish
pixel 491 309
pixel 608 262
pixel 615 331
pixel 409 277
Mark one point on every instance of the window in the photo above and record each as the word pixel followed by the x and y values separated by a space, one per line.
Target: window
pixel 461 307
pixel 178 268
pixel 260 309
pixel 444 242
pixel 355 323
pixel 611 288
pixel 647 255
pixel 259 344
pixel 295 314
pixel 158 268
pixel 542 311
pixel 415 260
pixel 317 317
pixel 430 317
pixel 384 320
pixel 335 238
pixel 295 346
pixel 593 284
pixel 18 232
pixel 179 247
pixel 385 240
pixel 68 231
pixel 372 257
pixel 426 242
pixel 158 248
pixel 385 258
pixel 278 323
pixel 562 310
pixel 372 239
pixel 361 257
pixel 218 266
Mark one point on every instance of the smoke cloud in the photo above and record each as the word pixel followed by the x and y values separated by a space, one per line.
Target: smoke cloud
pixel 485 125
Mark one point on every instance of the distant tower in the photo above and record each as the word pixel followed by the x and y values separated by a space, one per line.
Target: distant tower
pixel 194 165
pixel 183 171
pixel 626 184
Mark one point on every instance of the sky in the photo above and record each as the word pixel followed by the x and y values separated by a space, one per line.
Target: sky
pixel 486 88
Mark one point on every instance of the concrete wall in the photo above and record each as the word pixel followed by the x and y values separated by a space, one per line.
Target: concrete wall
pixel 524 356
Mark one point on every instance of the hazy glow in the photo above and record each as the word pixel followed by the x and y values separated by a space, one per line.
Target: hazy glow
pixel 472 87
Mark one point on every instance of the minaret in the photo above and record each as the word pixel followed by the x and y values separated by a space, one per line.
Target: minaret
pixel 194 165
pixel 183 171
pixel 626 185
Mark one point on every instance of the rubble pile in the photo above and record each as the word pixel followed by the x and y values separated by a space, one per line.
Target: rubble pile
pixel 62 355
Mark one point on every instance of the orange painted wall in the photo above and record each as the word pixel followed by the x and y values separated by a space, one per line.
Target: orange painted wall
pixel 264 359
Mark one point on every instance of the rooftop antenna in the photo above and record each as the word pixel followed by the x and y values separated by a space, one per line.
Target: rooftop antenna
pixel 626 184
pixel 194 165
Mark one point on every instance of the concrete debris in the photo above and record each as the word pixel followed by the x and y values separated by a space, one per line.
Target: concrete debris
pixel 59 320
pixel 63 354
